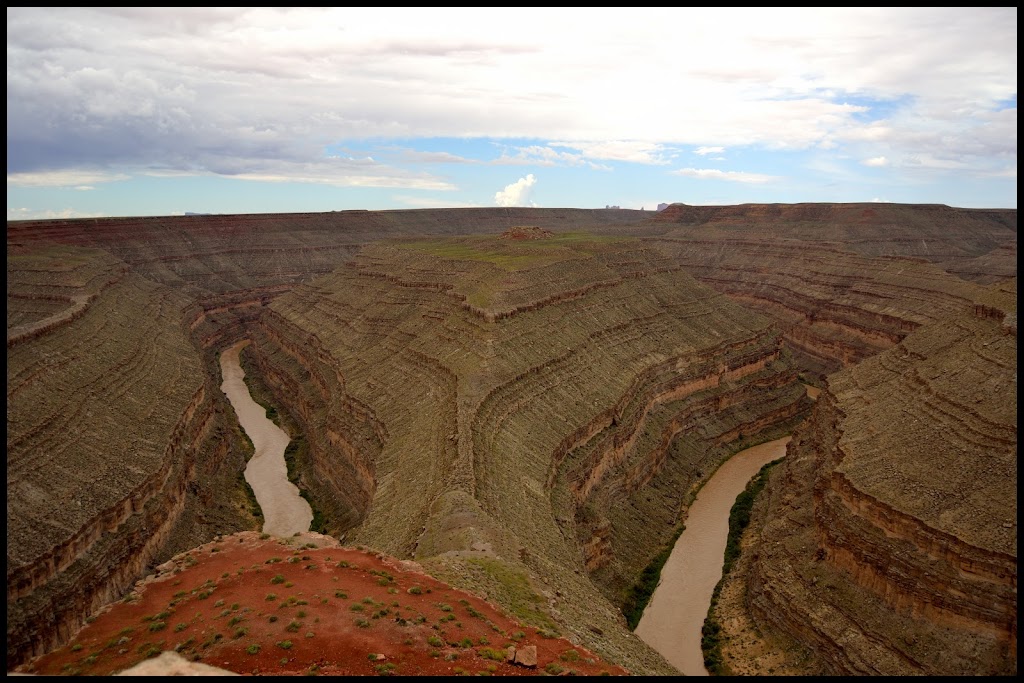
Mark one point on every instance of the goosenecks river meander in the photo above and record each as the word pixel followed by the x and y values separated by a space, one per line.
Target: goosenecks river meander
pixel 672 622
pixel 284 510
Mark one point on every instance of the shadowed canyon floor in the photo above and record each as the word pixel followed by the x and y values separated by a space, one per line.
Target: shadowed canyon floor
pixel 525 401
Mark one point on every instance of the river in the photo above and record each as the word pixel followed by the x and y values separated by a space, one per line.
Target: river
pixel 284 510
pixel 672 622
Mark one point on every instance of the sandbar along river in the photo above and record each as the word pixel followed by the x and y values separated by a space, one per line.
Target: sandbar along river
pixel 284 510
pixel 672 622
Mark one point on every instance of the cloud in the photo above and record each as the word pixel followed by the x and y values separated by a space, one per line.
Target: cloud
pixel 336 171
pixel 127 90
pixel 517 193
pixel 417 157
pixel 78 179
pixel 634 151
pixel 876 161
pixel 732 176
pixel 539 155
pixel 27 214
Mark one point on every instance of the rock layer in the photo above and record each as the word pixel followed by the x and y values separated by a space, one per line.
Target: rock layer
pixel 890 541
pixel 501 407
pixel 529 420
pixel 109 424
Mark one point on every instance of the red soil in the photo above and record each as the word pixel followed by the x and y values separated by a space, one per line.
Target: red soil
pixel 237 602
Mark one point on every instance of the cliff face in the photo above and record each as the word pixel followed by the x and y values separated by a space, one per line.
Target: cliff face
pixel 482 392
pixel 843 281
pixel 110 422
pixel 932 232
pixel 835 308
pixel 527 417
pixel 889 542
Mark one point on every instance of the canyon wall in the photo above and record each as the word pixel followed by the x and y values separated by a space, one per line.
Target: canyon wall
pixel 835 308
pixel 113 438
pixel 528 418
pixel 501 387
pixel 889 540
pixel 843 281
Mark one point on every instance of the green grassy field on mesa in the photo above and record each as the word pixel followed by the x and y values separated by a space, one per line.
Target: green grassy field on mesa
pixel 514 254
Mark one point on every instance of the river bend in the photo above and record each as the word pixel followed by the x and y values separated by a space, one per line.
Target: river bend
pixel 284 510
pixel 672 622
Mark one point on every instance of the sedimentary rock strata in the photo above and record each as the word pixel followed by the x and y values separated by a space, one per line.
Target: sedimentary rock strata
pixel 890 538
pixel 834 307
pixel 932 232
pixel 509 385
pixel 109 422
pixel 528 417
pixel 843 281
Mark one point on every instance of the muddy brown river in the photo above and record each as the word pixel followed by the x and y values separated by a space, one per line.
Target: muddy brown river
pixel 672 622
pixel 284 510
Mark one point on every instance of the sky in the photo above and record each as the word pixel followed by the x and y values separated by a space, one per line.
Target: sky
pixel 165 111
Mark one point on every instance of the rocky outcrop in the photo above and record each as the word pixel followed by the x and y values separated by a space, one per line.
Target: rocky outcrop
pixel 889 544
pixel 213 599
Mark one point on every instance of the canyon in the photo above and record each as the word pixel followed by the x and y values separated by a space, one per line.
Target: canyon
pixel 526 401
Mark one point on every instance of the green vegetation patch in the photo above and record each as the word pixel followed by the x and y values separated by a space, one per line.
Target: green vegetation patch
pixel 511 255
pixel 739 520
pixel 516 593
pixel 639 594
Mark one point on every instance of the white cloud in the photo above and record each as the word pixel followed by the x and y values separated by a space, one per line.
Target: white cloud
pixel 337 171
pixel 539 155
pixel 26 214
pixel 414 156
pixel 78 179
pixel 876 161
pixel 178 90
pixel 732 176
pixel 635 151
pixel 517 193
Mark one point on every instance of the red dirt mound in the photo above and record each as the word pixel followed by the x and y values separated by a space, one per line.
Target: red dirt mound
pixel 258 605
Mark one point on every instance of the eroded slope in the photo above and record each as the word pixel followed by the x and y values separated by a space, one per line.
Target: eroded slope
pixel 465 400
pixel 647 405
pixel 109 418
pixel 890 540
pixel 835 307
